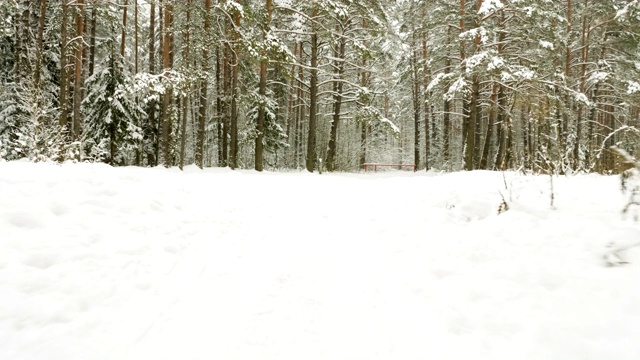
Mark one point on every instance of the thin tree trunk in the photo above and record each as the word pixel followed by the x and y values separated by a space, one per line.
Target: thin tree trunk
pixel 168 96
pixel 64 78
pixel 416 103
pixel 233 156
pixel 300 106
pixel 313 100
pixel 135 20
pixel 185 100
pixel 92 44
pixel 225 104
pixel 40 43
pixel 124 28
pixel 337 102
pixel 202 106
pixel 259 153
pixel 446 114
pixel 428 110
pixel 584 40
pixel 77 92
pixel 152 130
pixel 364 123
pixel 219 112
pixel 502 130
pixel 484 161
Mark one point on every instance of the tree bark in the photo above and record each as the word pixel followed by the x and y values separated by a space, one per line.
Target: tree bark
pixel 92 44
pixel 584 42
pixel 77 92
pixel 152 130
pixel 428 106
pixel 337 102
pixel 167 116
pixel 202 106
pixel 446 114
pixel 259 151
pixel 185 99
pixel 415 79
pixel 123 38
pixel 313 99
pixel 64 78
pixel 40 43
pixel 233 156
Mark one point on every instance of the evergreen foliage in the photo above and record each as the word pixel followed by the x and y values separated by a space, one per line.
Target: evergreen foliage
pixel 470 84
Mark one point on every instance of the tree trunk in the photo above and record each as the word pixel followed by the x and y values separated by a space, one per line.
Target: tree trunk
pixel 337 102
pixel 584 40
pixel 77 92
pixel 446 114
pixel 202 106
pixel 167 102
pixel 300 107
pixel 502 130
pixel 152 129
pixel 233 157
pixel 263 93
pixel 135 44
pixel 225 104
pixel 185 99
pixel 415 79
pixel 484 161
pixel 313 100
pixel 123 38
pixel 219 112
pixel 428 107
pixel 40 43
pixel 64 78
pixel 92 44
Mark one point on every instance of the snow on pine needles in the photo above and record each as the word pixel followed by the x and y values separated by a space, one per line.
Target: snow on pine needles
pixel 131 263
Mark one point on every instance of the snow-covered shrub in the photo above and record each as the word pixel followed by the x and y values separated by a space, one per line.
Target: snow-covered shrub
pixel 111 116
pixel 29 125
pixel 275 137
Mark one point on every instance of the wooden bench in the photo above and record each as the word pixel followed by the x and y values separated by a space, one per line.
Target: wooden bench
pixel 376 165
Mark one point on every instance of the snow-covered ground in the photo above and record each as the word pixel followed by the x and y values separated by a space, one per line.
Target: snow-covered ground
pixel 131 263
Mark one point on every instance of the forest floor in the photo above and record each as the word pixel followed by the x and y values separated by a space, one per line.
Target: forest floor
pixel 138 263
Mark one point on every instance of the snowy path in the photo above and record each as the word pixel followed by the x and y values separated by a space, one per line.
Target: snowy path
pixel 102 263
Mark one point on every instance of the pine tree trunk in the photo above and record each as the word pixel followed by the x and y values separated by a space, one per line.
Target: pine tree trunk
pixel 167 113
pixel 259 153
pixel 202 106
pixel 185 100
pixel 64 78
pixel 152 129
pixel 77 92
pixel 300 106
pixel 337 102
pixel 584 40
pixel 233 156
pixel 484 161
pixel 219 112
pixel 40 44
pixel 428 107
pixel 92 44
pixel 313 101
pixel 415 79
pixel 225 104
pixel 123 38
pixel 446 116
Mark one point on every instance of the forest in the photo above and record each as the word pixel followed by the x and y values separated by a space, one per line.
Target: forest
pixel 546 86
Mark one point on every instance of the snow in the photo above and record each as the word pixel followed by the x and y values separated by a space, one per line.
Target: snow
pixel 137 263
pixel 546 44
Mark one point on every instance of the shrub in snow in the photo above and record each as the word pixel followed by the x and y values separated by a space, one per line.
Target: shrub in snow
pixel 111 115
